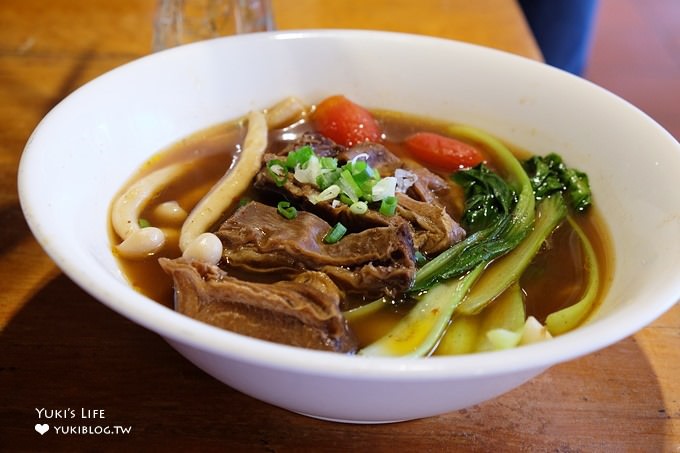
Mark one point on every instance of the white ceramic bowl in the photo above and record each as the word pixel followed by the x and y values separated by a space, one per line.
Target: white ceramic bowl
pixel 88 145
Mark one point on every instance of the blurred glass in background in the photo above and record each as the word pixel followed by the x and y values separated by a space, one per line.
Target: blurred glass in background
pixel 183 21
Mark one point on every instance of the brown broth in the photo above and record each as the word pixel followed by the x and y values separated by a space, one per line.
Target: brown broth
pixel 554 280
pixel 213 151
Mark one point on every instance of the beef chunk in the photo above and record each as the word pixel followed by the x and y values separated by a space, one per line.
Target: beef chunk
pixel 426 208
pixel 433 229
pixel 322 145
pixel 303 312
pixel 375 261
pixel 379 157
pixel 433 189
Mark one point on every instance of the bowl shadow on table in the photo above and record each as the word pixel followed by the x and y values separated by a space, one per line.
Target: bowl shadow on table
pixel 64 350
pixel 13 227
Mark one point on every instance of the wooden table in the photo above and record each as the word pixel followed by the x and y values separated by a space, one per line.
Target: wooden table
pixel 60 349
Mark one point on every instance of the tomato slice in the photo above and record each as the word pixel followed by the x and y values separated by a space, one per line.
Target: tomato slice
pixel 442 152
pixel 345 122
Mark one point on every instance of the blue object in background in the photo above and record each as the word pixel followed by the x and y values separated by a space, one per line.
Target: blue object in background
pixel 563 30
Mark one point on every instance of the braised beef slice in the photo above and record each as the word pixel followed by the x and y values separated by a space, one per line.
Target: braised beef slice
pixel 433 189
pixel 322 145
pixel 379 157
pixel 433 229
pixel 302 312
pixel 375 261
pixel 425 207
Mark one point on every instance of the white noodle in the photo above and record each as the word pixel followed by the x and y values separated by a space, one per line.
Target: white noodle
pixel 127 208
pixel 231 185
pixel 285 111
pixel 141 242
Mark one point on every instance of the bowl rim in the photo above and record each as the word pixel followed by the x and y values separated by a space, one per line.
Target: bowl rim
pixel 178 328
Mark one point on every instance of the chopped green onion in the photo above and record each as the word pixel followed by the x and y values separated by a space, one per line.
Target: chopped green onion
pixel 388 206
pixel 328 194
pixel 345 199
pixel 299 157
pixel 328 178
pixel 335 234
pixel 360 207
pixel 359 166
pixel 244 201
pixel 368 184
pixel 286 210
pixel 277 171
pixel 308 172
pixel 143 223
pixel 364 180
pixel 362 173
pixel 384 188
pixel 349 186
pixel 329 163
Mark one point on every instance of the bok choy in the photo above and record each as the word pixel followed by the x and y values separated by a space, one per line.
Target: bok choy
pixel 503 220
pixel 508 216
pixel 550 175
pixel 566 319
pixel 503 213
pixel 509 268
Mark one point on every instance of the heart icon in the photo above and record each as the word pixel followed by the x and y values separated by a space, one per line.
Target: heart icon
pixel 42 428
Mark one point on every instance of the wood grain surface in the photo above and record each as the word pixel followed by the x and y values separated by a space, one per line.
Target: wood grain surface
pixel 60 349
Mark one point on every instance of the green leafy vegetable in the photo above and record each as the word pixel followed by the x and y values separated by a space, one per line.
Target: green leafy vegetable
pixel 440 292
pixel 512 221
pixel 550 175
pixel 487 197
pixel 507 313
pixel 509 268
pixel 365 310
pixel 460 337
pixel 499 217
pixel 417 333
